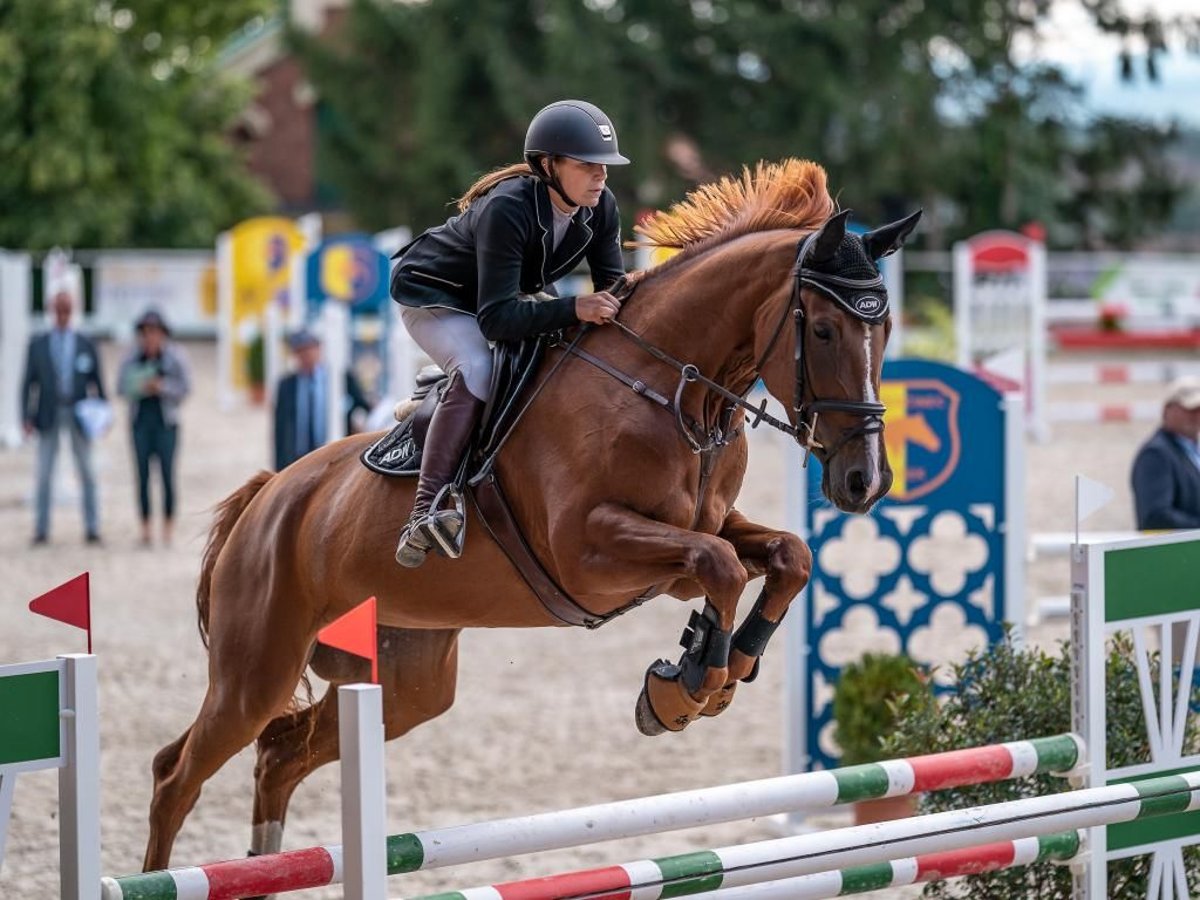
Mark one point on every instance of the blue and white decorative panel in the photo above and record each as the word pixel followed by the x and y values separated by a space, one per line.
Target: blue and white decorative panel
pixel 925 573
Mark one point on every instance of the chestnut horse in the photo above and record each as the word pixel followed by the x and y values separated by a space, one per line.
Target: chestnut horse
pixel 619 498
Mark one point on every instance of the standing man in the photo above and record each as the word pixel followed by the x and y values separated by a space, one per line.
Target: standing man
pixel 300 402
pixel 1166 470
pixel 61 369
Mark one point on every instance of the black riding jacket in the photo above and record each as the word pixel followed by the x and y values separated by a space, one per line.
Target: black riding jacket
pixel 480 261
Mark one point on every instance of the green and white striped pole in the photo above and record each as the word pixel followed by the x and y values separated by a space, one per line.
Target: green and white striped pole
pixel 914 870
pixel 862 845
pixel 807 792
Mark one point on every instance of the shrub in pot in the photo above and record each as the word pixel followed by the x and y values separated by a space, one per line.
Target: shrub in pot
pixel 868 698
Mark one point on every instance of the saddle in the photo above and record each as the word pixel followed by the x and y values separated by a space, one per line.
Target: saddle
pixel 398 454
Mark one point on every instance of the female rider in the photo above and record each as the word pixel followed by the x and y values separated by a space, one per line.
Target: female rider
pixel 470 281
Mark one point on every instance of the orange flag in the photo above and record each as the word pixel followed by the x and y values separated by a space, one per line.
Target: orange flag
pixel 355 633
pixel 70 602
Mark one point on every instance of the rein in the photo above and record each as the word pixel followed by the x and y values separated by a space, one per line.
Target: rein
pixel 690 374
pixel 807 413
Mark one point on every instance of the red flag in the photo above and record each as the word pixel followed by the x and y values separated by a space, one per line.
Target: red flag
pixel 70 602
pixel 355 633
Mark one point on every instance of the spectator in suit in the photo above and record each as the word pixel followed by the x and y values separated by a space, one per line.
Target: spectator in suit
pixel 1166 470
pixel 301 404
pixel 61 369
pixel 154 379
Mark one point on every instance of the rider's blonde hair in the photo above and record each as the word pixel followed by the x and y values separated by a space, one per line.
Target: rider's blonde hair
pixel 490 180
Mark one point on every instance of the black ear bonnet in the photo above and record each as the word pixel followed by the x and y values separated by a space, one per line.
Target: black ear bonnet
pixel 849 277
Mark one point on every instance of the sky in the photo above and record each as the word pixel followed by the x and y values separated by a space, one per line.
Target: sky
pixel 1091 58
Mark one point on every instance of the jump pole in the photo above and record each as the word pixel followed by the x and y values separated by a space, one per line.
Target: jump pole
pixel 364 794
pixel 862 879
pixel 15 297
pixel 707 871
pixel 809 792
pixel 1059 848
pixel 335 327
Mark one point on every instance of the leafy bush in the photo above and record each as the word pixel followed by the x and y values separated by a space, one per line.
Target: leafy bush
pixel 869 696
pixel 1007 693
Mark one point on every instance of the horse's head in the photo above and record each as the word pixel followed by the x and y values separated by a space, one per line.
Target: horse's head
pixel 831 384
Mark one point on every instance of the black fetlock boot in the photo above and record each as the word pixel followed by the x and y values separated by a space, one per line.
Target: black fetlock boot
pixel 450 430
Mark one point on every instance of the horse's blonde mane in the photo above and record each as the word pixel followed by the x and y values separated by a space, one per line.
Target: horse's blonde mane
pixel 791 193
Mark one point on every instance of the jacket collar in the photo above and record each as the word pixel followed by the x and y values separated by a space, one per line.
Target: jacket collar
pixel 556 263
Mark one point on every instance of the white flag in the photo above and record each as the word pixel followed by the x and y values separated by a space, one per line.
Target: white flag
pixel 1089 497
pixel 1008 364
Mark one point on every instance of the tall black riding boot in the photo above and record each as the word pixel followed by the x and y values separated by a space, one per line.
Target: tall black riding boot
pixel 450 430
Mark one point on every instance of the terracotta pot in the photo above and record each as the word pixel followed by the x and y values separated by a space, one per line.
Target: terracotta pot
pixel 258 394
pixel 885 809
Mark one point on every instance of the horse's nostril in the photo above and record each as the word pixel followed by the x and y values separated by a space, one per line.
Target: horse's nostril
pixel 856 483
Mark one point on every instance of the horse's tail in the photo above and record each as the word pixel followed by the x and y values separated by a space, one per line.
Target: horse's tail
pixel 228 511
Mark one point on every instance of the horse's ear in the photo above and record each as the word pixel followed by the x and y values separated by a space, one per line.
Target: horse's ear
pixel 829 238
pixel 887 239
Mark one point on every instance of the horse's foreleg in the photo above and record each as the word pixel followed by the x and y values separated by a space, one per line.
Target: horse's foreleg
pixel 418 673
pixel 638 551
pixel 787 563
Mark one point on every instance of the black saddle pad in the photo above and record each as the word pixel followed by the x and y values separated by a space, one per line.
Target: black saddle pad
pixel 396 453
pixel 514 365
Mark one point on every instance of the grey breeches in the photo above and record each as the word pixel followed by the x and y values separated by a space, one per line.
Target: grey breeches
pixel 453 341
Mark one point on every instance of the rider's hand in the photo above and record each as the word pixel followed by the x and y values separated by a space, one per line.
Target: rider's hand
pixel 597 308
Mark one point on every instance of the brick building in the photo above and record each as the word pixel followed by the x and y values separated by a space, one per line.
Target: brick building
pixel 278 129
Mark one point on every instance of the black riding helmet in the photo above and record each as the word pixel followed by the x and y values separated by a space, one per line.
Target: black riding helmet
pixel 573 128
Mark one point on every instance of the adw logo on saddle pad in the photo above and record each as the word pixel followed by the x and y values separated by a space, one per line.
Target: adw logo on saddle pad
pixel 922 434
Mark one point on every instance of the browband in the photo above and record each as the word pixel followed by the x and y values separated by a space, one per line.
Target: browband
pixel 864 299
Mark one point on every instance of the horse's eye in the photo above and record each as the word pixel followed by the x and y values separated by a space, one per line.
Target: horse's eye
pixel 822 332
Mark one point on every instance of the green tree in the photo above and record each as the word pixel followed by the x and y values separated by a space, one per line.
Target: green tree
pixel 113 121
pixel 1115 156
pixel 904 103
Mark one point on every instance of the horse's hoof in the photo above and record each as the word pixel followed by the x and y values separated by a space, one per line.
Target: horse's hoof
pixel 665 704
pixel 643 715
pixel 720 700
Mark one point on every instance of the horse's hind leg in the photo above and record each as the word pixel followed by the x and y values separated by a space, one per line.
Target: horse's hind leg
pixel 240 701
pixel 417 670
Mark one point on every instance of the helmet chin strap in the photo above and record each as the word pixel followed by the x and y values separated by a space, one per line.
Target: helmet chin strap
pixel 552 180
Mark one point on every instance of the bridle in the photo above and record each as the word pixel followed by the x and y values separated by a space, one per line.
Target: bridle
pixel 836 287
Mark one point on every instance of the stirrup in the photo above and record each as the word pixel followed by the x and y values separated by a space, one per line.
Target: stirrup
pixel 446 529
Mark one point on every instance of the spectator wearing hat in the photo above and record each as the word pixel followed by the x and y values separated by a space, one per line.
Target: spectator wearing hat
pixel 1166 470
pixel 62 370
pixel 301 416
pixel 154 378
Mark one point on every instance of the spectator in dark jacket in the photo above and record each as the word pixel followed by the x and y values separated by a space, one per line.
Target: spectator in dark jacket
pixel 1166 470
pixel 61 369
pixel 301 411
pixel 154 377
